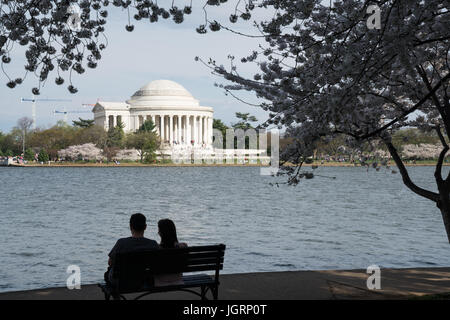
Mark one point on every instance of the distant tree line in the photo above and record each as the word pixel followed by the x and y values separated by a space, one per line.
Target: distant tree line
pixel 46 143
pixel 411 143
pixel 21 140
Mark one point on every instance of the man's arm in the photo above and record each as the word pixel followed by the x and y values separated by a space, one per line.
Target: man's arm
pixel 112 253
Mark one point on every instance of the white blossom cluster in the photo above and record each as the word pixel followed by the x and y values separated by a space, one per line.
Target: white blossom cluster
pixel 421 151
pixel 381 154
pixel 90 152
pixel 86 151
pixel 128 154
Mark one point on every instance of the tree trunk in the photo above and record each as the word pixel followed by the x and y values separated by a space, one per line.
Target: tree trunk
pixel 442 199
pixel 446 217
pixel 444 205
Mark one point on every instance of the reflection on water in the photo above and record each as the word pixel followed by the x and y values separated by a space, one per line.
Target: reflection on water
pixel 55 217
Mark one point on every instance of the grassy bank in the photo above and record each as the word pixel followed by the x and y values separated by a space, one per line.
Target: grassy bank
pixel 136 164
pixel 417 163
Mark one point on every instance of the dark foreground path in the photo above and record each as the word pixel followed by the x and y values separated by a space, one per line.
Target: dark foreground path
pixel 329 284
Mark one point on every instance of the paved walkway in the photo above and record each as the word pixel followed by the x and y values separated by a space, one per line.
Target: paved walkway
pixel 329 284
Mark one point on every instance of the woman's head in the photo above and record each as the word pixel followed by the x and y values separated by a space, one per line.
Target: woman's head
pixel 168 233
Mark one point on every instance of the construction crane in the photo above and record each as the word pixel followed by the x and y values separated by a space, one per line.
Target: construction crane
pixel 90 104
pixel 33 105
pixel 65 113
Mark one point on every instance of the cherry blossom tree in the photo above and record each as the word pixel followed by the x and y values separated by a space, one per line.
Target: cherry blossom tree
pixel 323 71
pixel 62 37
pixel 421 151
pixel 87 151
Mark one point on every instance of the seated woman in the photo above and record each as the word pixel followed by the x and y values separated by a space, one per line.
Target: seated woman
pixel 168 234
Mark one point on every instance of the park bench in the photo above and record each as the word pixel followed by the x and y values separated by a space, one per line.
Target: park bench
pixel 134 272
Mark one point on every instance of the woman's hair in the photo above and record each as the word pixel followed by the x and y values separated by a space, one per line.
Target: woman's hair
pixel 168 233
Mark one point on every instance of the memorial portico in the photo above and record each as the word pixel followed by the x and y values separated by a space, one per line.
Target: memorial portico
pixel 178 117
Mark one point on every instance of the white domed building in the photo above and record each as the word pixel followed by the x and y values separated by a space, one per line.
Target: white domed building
pixel 183 125
pixel 178 117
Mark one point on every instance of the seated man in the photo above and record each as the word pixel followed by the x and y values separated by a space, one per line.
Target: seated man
pixel 137 242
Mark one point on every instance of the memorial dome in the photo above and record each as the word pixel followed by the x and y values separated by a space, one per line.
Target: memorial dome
pixel 162 92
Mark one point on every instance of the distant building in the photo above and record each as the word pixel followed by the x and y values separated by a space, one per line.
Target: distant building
pixel 178 117
pixel 184 127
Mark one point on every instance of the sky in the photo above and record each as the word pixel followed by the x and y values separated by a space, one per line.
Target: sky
pixel 162 50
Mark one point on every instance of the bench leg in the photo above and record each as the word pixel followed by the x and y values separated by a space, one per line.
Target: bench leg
pixel 203 292
pixel 105 292
pixel 215 292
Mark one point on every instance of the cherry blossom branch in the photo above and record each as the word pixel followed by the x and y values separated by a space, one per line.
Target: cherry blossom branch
pixel 411 110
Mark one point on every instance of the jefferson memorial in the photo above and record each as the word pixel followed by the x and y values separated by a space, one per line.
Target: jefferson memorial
pixel 178 117
pixel 184 127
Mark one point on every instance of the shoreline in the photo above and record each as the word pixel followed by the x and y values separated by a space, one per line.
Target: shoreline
pixel 113 165
pixel 403 283
pixel 136 164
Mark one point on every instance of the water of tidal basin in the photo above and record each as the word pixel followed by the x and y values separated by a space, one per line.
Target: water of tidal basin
pixel 55 217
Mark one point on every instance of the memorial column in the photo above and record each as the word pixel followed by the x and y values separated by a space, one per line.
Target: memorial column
pixel 161 130
pixel 170 129
pixel 178 129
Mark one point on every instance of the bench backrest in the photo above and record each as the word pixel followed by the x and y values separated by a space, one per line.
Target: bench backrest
pixel 134 269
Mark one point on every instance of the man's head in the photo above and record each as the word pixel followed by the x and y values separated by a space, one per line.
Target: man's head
pixel 138 224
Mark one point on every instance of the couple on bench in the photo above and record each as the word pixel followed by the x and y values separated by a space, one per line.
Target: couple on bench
pixel 137 242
